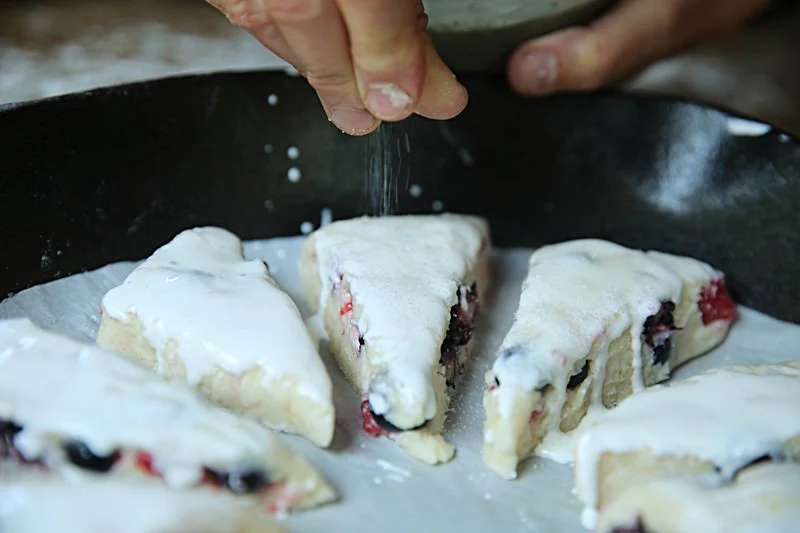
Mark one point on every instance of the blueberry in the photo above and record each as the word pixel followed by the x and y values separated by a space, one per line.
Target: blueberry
pixel 82 456
pixel 459 333
pixel 639 527
pixel 246 481
pixel 8 449
pixel 764 458
pixel 9 427
pixel 576 379
pixel 511 352
pixel 8 431
pixel 657 333
pixel 391 428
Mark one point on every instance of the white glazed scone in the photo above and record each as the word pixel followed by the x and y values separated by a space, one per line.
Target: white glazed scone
pixel 399 297
pixel 708 427
pixel 32 501
pixel 596 322
pixel 197 311
pixel 764 498
pixel 75 409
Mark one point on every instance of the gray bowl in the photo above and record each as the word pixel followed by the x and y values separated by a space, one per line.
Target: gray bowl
pixel 480 35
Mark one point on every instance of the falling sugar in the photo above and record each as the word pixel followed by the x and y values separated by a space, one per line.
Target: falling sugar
pixel 325 217
pixel 293 174
pixel 437 205
pixel 306 227
pixel 415 191
pixel 268 148
pixel 272 100
pixel 387 167
pixel 293 152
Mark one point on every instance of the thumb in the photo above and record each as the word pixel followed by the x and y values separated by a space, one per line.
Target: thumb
pixel 632 35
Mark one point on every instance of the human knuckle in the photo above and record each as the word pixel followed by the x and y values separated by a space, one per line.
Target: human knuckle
pixel 328 80
pixel 246 14
pixel 600 60
pixel 294 11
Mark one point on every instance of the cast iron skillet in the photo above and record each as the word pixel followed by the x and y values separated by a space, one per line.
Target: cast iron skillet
pixel 110 175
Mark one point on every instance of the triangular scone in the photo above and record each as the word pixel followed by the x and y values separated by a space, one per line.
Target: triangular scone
pixel 197 311
pixel 596 322
pixel 707 427
pixel 399 296
pixel 73 408
pixel 32 501
pixel 764 498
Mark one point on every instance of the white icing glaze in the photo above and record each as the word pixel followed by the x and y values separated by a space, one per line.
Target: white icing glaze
pixel 404 273
pixel 763 498
pixel 575 295
pixel 32 502
pixel 688 269
pixel 728 416
pixel 59 388
pixel 222 311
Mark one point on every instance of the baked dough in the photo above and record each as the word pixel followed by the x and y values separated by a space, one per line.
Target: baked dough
pixel 708 427
pixel 78 410
pixel 197 311
pixel 763 498
pixel 32 501
pixel 596 322
pixel 399 297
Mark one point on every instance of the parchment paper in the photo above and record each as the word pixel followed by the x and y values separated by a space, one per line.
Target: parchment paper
pixel 381 488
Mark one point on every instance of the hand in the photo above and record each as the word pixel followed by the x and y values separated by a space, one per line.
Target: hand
pixel 632 35
pixel 368 60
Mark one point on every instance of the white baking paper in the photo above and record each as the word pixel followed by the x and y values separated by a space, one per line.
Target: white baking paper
pixel 381 488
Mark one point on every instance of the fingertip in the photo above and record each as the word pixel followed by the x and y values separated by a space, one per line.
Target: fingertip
pixel 443 97
pixel 450 100
pixel 569 60
pixel 533 71
pixel 351 120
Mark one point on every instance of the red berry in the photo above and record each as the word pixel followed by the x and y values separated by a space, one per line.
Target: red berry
pixel 716 303
pixel 371 427
pixel 144 461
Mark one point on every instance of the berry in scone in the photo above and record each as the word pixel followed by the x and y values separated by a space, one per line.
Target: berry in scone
pixel 32 501
pixel 708 427
pixel 399 297
pixel 596 322
pixel 197 311
pixel 74 409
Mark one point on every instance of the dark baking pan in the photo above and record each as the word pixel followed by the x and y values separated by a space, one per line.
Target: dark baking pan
pixel 109 175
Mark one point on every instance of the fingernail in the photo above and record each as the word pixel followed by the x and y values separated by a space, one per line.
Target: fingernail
pixel 538 71
pixel 352 120
pixel 387 101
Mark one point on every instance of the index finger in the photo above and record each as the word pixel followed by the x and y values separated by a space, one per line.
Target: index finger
pixel 387 47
